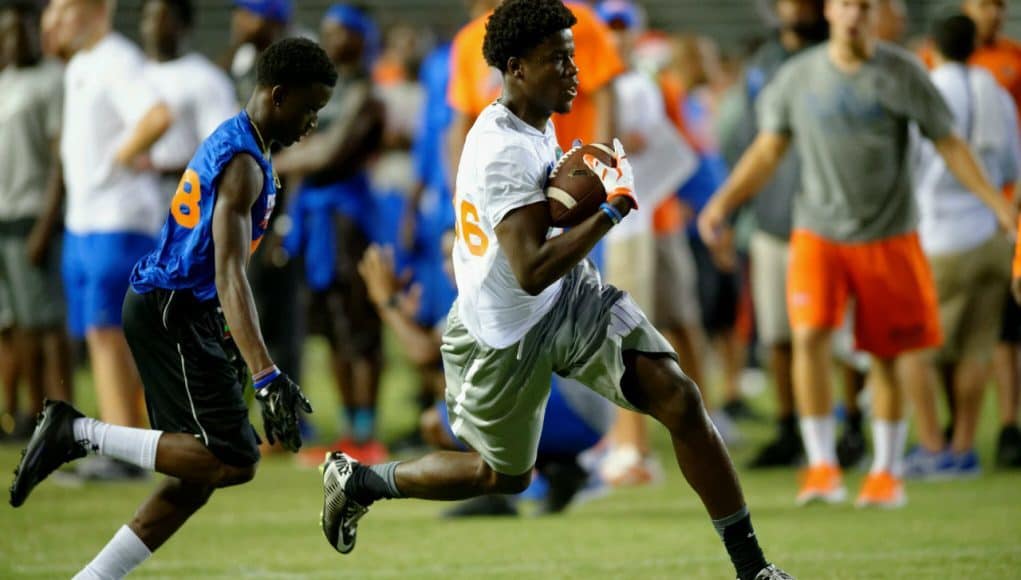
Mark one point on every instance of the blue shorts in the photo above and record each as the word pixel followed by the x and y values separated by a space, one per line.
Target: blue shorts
pixel 564 432
pixel 96 269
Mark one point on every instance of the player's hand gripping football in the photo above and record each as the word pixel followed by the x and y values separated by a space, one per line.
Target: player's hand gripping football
pixel 618 181
pixel 280 401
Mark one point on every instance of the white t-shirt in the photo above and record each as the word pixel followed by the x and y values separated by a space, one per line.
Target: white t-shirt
pixel 199 95
pixel 503 167
pixel 666 162
pixel 105 98
pixel 951 218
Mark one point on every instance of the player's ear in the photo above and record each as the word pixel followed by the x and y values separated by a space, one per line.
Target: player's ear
pixel 514 66
pixel 278 93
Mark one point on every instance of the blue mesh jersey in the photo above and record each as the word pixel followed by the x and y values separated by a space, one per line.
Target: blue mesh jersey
pixel 184 258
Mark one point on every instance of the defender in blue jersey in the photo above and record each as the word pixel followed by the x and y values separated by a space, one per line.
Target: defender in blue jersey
pixel 191 323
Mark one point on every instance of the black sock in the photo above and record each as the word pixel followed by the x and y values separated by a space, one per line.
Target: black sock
pixel 371 482
pixel 741 543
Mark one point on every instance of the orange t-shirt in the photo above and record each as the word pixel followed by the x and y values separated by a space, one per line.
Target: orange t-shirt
pixel 474 84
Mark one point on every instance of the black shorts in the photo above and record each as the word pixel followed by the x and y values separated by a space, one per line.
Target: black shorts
pixel 343 313
pixel 192 372
pixel 1010 332
pixel 718 292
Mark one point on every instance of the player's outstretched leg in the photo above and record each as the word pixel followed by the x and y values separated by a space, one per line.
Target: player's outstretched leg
pixel 656 385
pixel 63 434
pixel 349 488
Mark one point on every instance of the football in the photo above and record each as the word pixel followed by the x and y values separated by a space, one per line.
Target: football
pixel 574 192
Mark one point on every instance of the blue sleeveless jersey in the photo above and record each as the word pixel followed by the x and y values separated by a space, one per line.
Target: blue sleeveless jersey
pixel 184 258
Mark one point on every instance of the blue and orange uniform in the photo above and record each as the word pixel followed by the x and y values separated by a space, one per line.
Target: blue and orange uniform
pixel 193 374
pixel 183 259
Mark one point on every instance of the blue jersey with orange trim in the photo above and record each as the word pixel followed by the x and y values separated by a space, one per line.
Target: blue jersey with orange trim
pixel 184 258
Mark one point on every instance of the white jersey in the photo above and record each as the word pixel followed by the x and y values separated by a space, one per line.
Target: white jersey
pixel 504 166
pixel 105 97
pixel 952 219
pixel 199 95
pixel 666 161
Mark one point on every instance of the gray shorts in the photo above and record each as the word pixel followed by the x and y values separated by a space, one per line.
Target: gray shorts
pixel 30 297
pixel 496 398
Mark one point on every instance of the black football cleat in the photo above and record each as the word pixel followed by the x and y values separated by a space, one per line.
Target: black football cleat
pixel 771 572
pixel 52 445
pixel 341 513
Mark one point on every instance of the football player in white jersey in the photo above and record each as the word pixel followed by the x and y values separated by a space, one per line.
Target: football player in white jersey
pixel 529 305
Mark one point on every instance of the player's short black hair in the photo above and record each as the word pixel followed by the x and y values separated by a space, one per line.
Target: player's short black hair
pixel 955 37
pixel 294 62
pixel 26 7
pixel 518 26
pixel 183 9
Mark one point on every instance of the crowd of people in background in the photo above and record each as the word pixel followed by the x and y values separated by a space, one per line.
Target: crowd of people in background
pixel 96 132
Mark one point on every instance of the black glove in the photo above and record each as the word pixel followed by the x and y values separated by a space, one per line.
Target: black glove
pixel 280 401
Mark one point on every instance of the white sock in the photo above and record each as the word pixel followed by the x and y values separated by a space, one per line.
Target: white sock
pixel 888 440
pixel 819 435
pixel 135 446
pixel 121 555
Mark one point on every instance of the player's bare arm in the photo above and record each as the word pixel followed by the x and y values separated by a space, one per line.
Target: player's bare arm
pixel 149 129
pixel 537 261
pixel 397 306
pixel 961 162
pixel 338 151
pixel 53 209
pixel 750 175
pixel 239 188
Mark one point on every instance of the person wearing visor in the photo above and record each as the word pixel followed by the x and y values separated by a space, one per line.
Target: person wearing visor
pixel 332 219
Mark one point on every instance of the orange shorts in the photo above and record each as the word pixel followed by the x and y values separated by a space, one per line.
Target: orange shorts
pixel 896 307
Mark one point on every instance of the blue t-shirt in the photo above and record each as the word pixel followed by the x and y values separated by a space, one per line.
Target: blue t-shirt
pixel 184 258
pixel 428 149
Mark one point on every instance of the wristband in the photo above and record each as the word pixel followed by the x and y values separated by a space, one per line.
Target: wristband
pixel 611 212
pixel 265 377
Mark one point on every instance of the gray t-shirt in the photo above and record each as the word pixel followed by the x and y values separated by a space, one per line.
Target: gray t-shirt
pixel 30 112
pixel 773 206
pixel 852 133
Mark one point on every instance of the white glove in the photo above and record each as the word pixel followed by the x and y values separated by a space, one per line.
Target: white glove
pixel 617 181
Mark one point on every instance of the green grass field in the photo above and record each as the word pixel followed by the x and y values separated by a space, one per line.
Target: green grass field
pixel 269 528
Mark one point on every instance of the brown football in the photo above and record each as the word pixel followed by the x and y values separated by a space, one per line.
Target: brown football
pixel 574 192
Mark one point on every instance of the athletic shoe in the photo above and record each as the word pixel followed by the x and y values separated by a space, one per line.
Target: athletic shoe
pixel 483 506
pixel 109 470
pixel 341 513
pixel 1008 447
pixel 881 490
pixel 566 479
pixel 624 466
pixel 369 452
pixel 821 483
pixel 739 410
pixel 771 572
pixel 52 445
pixel 850 446
pixel 922 464
pixel 965 465
pixel 784 451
